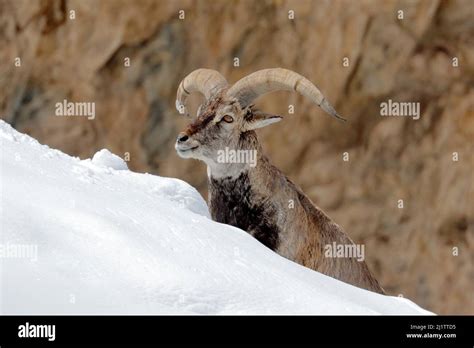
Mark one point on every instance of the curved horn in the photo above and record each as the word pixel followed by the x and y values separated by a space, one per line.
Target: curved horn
pixel 269 80
pixel 205 81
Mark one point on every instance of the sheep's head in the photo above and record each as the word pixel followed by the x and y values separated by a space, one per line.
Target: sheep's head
pixel 227 113
pixel 219 124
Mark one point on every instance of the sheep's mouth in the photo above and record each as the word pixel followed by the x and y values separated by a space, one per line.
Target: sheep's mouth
pixel 185 152
pixel 187 149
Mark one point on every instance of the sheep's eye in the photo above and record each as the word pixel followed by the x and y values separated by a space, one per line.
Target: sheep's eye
pixel 228 119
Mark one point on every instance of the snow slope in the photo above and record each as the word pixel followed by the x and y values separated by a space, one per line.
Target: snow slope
pixel 112 241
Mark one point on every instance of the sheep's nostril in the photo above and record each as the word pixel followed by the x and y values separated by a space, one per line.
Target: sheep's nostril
pixel 182 138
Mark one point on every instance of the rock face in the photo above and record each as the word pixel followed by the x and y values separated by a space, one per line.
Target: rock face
pixel 79 51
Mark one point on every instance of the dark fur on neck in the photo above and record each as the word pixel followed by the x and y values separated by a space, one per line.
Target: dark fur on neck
pixel 233 202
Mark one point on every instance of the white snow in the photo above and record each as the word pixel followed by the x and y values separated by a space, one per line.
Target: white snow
pixel 105 158
pixel 102 239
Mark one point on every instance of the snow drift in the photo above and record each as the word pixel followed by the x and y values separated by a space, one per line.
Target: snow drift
pixel 92 237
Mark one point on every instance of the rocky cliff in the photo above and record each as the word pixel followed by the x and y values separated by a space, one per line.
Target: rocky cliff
pixel 129 56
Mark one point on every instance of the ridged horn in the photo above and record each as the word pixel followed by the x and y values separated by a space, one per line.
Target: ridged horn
pixel 265 81
pixel 205 81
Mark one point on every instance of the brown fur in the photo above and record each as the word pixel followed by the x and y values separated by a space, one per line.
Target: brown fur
pixel 257 199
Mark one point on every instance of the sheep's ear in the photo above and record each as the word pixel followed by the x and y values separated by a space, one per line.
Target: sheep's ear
pixel 260 119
